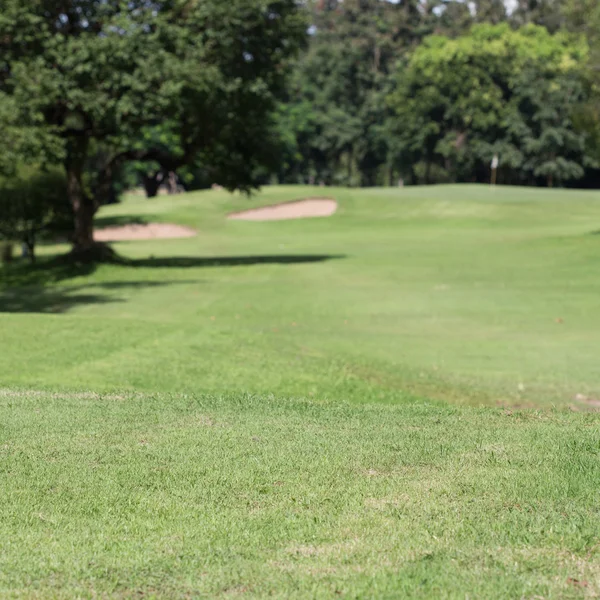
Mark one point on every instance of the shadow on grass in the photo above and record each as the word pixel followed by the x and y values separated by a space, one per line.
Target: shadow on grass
pixel 47 300
pixel 60 299
pixel 119 221
pixel 26 288
pixel 44 272
pixel 53 270
pixel 183 262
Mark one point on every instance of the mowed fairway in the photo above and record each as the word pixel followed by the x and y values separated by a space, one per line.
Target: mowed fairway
pixel 395 401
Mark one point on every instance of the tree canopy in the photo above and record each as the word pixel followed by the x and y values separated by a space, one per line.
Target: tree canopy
pixel 495 91
pixel 79 74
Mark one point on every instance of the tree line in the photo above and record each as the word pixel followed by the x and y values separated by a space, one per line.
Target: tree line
pixel 429 92
pixel 100 95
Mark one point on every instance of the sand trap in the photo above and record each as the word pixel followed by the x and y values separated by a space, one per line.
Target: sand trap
pixel 299 209
pixel 147 231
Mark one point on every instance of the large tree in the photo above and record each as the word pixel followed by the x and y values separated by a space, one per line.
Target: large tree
pixel 460 101
pixel 76 75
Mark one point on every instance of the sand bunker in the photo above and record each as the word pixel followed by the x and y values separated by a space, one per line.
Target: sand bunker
pixel 147 231
pixel 299 209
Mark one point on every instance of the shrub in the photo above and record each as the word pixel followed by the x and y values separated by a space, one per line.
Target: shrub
pixel 34 204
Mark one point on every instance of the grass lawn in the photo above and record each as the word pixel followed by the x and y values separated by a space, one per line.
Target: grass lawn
pixel 397 401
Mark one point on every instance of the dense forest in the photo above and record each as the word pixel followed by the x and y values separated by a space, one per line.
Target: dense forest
pixel 419 91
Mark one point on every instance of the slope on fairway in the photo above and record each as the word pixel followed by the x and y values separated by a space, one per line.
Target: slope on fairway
pixel 458 293
pixel 285 409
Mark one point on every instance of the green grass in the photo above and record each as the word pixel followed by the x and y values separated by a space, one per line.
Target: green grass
pixel 386 403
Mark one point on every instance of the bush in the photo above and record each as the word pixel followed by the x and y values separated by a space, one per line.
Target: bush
pixel 33 204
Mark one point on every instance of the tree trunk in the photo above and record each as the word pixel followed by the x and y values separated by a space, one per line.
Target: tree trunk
pixel 550 181
pixel 152 184
pixel 30 243
pixel 172 183
pixel 83 238
pixel 83 205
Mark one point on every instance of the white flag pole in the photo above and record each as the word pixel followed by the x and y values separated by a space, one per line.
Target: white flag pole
pixel 495 163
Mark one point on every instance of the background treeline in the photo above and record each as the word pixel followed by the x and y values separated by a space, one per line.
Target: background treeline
pixel 422 91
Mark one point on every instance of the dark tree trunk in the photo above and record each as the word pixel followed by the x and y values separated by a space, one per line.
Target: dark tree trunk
pixel 30 243
pixel 84 207
pixel 83 238
pixel 152 184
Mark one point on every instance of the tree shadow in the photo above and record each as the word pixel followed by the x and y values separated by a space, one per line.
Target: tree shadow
pixel 45 271
pixel 184 262
pixel 119 221
pixel 53 270
pixel 61 299
pixel 26 288
pixel 47 300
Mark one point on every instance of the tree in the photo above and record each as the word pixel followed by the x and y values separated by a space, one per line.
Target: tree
pixel 548 13
pixel 542 121
pixel 494 91
pixel 151 174
pixel 33 202
pixel 490 11
pixel 82 72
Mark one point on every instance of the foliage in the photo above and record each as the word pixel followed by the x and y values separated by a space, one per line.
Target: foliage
pixel 583 17
pixel 338 127
pixel 460 101
pixel 544 126
pixel 34 202
pixel 334 122
pixel 490 11
pixel 123 94
pixel 548 13
pixel 24 142
pixel 85 72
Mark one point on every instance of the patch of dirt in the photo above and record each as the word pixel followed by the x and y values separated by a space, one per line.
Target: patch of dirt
pixel 147 231
pixel 298 209
pixel 587 401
